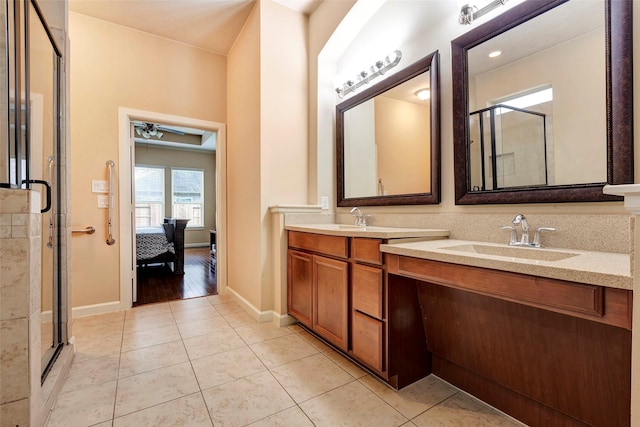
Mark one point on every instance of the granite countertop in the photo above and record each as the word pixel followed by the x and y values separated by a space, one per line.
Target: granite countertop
pixel 596 268
pixel 347 230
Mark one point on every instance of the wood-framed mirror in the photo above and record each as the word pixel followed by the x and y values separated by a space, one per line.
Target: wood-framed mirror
pixel 388 140
pixel 560 148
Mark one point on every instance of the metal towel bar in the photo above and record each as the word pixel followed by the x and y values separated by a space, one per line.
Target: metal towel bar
pixel 87 230
pixel 110 166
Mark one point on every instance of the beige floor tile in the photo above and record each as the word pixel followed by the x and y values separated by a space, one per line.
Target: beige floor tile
pixel 84 407
pixel 151 388
pixel 92 372
pixel 91 347
pixel 144 323
pixel 414 399
pixel 246 400
pixel 148 310
pixel 150 337
pixel 463 410
pixel 202 327
pixel 217 341
pixel 287 418
pixel 96 330
pixel 351 405
pixel 150 358
pixel 310 377
pixel 228 307
pixel 354 370
pixel 188 304
pixel 279 351
pixel 224 367
pixel 239 318
pixel 220 299
pixel 259 332
pixel 315 342
pixel 196 313
pixel 188 411
pixel 99 319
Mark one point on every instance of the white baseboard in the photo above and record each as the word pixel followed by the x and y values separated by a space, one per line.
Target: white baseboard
pixel 261 316
pixel 89 310
pixel 196 245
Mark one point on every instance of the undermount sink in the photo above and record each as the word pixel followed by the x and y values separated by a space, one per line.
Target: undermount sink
pixel 513 252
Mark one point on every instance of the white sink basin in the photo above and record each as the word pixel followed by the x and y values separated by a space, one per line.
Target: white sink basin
pixel 513 252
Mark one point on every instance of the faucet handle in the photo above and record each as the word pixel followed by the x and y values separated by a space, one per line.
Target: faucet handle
pixel 513 240
pixel 539 230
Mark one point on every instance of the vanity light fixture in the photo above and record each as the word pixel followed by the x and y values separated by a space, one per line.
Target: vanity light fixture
pixel 470 12
pixel 423 94
pixel 364 77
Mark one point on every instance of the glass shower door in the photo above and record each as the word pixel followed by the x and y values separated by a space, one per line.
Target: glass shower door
pixel 43 116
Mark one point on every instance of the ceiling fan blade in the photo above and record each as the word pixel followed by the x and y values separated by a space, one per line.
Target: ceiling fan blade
pixel 165 129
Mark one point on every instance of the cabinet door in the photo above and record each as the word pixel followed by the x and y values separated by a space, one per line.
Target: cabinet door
pixel 300 286
pixel 331 300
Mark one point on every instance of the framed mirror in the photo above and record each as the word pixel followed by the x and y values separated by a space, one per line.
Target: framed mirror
pixel 549 118
pixel 388 140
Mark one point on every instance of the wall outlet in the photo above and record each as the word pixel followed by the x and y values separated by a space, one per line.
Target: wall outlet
pixel 99 186
pixel 324 202
pixel 103 202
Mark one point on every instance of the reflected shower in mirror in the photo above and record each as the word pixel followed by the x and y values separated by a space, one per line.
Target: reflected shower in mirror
pixel 534 102
pixel 388 140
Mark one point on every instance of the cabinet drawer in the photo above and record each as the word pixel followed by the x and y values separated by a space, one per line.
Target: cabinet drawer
pixel 366 340
pixel 366 289
pixel 367 250
pixel 328 245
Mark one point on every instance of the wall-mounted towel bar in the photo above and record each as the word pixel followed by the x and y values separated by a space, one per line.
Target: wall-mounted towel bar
pixel 87 230
pixel 110 165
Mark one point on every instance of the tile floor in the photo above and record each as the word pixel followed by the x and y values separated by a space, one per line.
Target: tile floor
pixel 204 362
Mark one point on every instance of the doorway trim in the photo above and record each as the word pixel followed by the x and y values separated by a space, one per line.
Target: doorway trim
pixel 126 201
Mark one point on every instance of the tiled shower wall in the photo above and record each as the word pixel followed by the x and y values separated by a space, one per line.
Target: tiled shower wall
pixel 20 399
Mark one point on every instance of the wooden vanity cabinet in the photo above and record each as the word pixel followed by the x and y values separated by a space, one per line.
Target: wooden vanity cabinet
pixel 317 285
pixel 337 288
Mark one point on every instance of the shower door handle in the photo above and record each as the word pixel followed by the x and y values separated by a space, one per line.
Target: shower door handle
pixel 47 186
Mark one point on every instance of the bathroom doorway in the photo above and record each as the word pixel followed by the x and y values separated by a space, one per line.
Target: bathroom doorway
pixel 126 187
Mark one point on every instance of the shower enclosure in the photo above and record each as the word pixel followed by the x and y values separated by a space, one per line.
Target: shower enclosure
pixel 508 148
pixel 30 152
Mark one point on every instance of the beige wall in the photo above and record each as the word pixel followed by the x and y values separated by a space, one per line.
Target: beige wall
pixel 190 159
pixel 112 67
pixel 267 146
pixel 243 162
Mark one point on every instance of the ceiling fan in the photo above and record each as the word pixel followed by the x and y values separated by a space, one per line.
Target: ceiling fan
pixel 147 130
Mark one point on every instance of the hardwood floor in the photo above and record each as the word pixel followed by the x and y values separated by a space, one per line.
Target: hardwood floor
pixel 156 282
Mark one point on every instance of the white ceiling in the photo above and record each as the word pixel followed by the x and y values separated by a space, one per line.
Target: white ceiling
pixel 212 25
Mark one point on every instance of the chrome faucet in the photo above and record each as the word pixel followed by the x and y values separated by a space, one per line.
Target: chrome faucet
pixel 361 220
pixel 521 220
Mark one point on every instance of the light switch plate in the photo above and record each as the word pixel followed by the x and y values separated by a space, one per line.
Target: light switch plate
pixel 324 202
pixel 98 186
pixel 103 202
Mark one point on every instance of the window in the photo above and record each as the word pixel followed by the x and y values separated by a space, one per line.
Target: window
pixel 187 195
pixel 149 196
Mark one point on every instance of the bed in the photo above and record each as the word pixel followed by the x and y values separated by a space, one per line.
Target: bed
pixel 163 244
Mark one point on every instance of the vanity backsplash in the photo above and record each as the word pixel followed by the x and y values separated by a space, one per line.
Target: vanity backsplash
pixel 601 233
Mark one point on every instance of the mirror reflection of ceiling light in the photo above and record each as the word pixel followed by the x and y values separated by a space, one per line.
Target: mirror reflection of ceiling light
pixel 495 53
pixel 364 77
pixel 423 94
